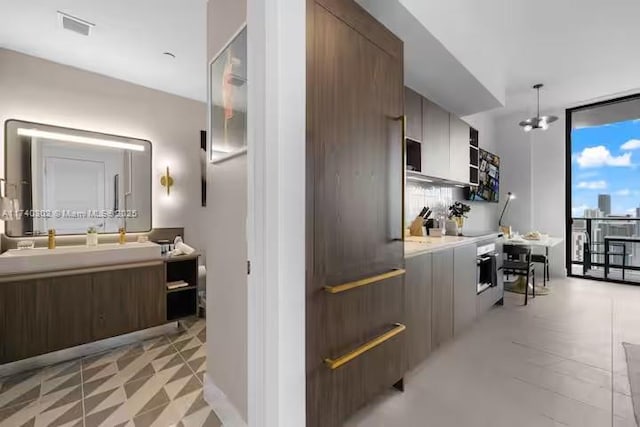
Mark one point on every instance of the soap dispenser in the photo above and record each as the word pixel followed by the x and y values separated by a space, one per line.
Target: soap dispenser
pixel 92 237
pixel 122 238
pixel 51 242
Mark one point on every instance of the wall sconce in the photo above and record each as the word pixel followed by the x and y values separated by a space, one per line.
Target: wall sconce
pixel 166 180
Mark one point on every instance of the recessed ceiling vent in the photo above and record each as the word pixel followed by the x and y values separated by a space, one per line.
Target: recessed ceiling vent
pixel 77 25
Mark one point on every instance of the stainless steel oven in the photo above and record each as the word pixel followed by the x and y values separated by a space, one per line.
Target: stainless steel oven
pixel 487 267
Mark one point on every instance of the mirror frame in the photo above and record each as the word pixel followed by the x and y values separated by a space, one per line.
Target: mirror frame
pixel 88 133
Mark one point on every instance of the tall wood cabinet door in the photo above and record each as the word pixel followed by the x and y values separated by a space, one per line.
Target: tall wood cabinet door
pixel 413 111
pixel 418 289
pixel 127 300
pixel 465 280
pixel 442 302
pixel 459 149
pixel 22 333
pixel 354 187
pixel 435 142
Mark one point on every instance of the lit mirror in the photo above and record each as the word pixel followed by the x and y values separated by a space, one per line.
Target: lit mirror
pixel 72 180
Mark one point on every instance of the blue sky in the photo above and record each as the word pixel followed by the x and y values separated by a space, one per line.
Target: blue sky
pixel 606 160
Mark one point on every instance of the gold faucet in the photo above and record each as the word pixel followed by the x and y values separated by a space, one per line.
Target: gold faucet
pixel 51 243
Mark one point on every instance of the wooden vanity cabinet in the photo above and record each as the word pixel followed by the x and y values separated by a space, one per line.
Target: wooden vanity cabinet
pixel 142 289
pixel 40 314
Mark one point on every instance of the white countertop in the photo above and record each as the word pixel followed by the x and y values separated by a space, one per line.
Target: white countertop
pixel 423 245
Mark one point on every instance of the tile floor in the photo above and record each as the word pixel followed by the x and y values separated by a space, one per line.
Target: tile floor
pixel 557 362
pixel 152 383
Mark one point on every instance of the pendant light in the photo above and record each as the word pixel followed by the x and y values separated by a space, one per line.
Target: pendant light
pixel 538 122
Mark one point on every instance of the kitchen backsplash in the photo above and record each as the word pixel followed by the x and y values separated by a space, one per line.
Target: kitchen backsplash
pixel 483 216
pixel 437 197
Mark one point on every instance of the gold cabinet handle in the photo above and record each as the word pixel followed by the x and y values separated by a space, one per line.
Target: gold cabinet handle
pixel 364 282
pixel 336 363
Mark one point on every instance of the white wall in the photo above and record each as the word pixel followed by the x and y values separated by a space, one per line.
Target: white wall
pixel 226 250
pixel 277 211
pixel 533 168
pixel 41 91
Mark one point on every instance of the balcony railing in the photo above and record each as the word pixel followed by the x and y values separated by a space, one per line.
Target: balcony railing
pixel 606 248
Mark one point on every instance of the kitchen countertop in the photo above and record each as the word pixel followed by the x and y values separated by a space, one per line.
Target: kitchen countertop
pixel 414 246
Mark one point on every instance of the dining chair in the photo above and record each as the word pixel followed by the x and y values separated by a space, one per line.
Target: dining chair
pixel 544 260
pixel 518 263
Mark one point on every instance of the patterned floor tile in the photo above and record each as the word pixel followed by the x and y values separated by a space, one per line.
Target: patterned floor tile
pixel 156 382
pixel 19 414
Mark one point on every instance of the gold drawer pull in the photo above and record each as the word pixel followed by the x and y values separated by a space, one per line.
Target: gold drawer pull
pixel 336 363
pixel 363 282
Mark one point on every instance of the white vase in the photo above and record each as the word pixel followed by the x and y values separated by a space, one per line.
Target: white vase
pixel 451 227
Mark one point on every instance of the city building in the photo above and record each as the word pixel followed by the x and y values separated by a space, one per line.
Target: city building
pixel 604 203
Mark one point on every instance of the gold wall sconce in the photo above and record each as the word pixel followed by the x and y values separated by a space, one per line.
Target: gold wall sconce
pixel 166 180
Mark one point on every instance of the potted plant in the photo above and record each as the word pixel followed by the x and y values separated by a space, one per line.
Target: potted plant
pixel 458 212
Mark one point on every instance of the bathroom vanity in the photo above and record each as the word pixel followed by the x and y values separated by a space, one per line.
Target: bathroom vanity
pixel 54 310
pixel 73 184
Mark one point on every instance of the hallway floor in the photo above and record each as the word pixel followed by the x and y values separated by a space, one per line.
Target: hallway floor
pixel 157 382
pixel 557 362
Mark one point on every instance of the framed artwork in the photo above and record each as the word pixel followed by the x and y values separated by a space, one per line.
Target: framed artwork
pixel 228 100
pixel 488 188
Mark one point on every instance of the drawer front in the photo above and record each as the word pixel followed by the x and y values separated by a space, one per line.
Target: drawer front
pixel 351 386
pixel 347 323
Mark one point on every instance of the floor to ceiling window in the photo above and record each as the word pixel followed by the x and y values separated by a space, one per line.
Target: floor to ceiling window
pixel 603 190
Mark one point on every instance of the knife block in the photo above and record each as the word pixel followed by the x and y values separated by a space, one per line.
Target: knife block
pixel 416 227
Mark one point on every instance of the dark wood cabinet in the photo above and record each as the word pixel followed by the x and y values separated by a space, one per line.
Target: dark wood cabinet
pixel 442 302
pixel 67 312
pixel 418 295
pixel 40 314
pixel 413 111
pixel 140 288
pixel 22 331
pixel 354 208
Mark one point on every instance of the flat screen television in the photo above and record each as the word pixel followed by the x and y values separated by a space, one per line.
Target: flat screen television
pixel 488 188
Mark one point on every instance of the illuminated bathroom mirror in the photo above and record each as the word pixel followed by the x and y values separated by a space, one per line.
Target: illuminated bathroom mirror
pixel 72 180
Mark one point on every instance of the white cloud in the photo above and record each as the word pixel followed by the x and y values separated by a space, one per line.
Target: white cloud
pixel 632 144
pixel 624 192
pixel 587 175
pixel 594 157
pixel 592 185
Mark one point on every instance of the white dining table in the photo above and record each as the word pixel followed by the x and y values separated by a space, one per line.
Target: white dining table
pixel 545 242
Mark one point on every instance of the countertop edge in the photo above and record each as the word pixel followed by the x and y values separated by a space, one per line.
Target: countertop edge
pixel 435 247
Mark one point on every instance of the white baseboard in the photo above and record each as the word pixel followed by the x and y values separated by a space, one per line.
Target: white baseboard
pixel 221 405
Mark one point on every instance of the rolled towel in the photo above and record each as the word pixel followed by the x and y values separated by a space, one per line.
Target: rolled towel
pixel 183 248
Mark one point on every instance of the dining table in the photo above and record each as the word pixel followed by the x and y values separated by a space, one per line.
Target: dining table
pixel 545 241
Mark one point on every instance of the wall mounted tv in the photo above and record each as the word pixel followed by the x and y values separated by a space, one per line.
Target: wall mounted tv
pixel 488 188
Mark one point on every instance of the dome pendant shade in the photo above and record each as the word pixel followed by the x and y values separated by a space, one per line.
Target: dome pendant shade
pixel 537 122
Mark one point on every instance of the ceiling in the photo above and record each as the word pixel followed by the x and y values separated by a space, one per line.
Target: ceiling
pixel 127 42
pixel 582 50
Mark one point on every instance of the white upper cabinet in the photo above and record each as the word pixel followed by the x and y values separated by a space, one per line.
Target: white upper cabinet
pixel 435 141
pixel 458 150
